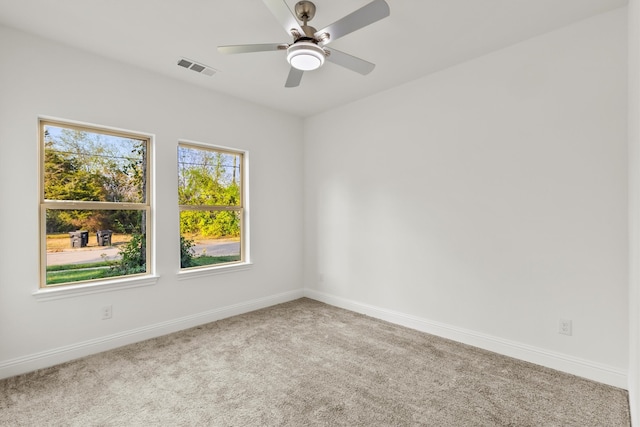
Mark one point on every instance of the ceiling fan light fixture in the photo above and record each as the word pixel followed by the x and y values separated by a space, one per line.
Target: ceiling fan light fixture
pixel 305 56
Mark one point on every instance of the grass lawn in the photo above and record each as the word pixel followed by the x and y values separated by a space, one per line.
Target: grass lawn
pixel 69 273
pixel 203 260
pixel 65 276
pixel 67 267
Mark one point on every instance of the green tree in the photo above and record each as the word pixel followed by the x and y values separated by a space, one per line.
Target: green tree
pixel 208 178
pixel 65 179
pixel 87 166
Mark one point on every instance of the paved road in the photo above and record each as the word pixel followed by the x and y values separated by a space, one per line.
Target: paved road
pixel 217 248
pixel 108 253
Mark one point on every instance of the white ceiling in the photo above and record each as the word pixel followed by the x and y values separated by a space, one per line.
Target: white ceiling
pixel 418 38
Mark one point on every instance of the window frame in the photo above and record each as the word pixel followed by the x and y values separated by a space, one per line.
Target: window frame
pixel 243 210
pixel 54 291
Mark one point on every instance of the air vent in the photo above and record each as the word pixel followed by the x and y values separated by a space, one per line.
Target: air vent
pixel 197 67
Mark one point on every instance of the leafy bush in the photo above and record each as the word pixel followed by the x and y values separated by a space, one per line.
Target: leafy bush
pixel 133 256
pixel 186 252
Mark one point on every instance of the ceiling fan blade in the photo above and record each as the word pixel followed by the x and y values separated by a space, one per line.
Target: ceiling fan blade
pixel 248 48
pixel 284 16
pixel 349 61
pixel 294 78
pixel 372 12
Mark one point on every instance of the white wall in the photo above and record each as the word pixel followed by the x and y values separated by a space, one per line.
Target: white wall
pixel 485 202
pixel 634 209
pixel 39 77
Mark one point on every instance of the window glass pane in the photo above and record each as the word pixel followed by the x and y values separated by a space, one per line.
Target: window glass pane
pixel 208 177
pixel 80 165
pixel 94 244
pixel 209 237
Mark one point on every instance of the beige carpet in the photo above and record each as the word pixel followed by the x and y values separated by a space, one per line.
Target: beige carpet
pixel 305 363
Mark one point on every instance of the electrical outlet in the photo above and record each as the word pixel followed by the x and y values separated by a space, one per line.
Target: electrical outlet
pixel 107 312
pixel 564 327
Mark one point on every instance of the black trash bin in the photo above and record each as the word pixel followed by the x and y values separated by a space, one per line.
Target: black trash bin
pixel 79 239
pixel 104 237
pixel 84 236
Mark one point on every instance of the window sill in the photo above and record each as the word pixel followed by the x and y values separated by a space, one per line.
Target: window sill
pixel 70 291
pixel 209 271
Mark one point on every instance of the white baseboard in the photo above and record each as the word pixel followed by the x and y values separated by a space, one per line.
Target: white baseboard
pixel 561 362
pixel 32 362
pixel 558 361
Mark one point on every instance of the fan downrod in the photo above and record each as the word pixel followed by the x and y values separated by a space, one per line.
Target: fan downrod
pixel 305 11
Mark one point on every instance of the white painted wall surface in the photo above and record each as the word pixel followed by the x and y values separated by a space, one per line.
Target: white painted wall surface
pixel 489 198
pixel 39 77
pixel 634 209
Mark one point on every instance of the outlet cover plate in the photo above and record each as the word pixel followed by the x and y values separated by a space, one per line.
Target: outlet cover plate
pixel 565 327
pixel 107 312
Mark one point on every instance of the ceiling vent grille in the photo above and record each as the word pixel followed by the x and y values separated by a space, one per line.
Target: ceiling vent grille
pixel 197 67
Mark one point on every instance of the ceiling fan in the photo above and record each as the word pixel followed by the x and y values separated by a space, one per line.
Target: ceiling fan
pixel 308 50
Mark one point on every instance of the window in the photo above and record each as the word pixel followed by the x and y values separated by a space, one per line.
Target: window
pixel 211 196
pixel 94 204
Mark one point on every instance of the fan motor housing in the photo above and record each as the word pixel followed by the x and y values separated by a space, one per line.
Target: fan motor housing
pixel 305 10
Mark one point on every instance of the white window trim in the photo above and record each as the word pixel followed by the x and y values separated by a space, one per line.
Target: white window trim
pixel 185 274
pixel 73 289
pixel 87 288
pixel 246 263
